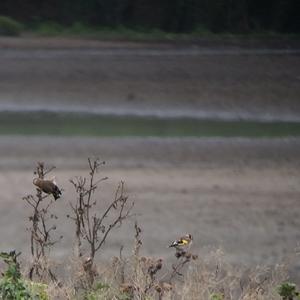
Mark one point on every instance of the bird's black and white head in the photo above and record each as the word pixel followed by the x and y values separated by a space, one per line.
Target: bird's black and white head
pixel 189 236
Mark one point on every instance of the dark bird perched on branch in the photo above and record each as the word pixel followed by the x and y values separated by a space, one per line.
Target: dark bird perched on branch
pixel 48 187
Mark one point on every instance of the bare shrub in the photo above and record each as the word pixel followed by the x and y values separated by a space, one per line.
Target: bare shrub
pixel 40 230
pixel 139 274
pixel 92 228
pixel 143 277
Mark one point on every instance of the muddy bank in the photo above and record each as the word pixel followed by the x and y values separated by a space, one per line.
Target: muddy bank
pixel 238 194
pixel 150 79
pixel 225 192
pixel 21 152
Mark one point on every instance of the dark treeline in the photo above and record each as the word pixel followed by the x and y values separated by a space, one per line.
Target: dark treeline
pixel 238 16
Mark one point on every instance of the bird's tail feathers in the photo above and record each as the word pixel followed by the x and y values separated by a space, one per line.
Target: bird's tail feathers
pixel 174 244
pixel 56 193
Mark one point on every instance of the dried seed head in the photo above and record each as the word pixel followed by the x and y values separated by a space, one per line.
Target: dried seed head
pixel 166 286
pixel 159 264
pixel 158 288
pixel 126 288
pixel 143 259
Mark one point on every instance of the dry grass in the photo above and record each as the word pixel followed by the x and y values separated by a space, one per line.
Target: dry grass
pixel 187 276
pixel 210 277
pixel 202 277
pixel 213 276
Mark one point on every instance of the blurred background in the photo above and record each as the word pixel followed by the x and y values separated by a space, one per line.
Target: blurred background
pixel 194 104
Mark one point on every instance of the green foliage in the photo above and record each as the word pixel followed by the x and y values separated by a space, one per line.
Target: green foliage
pixel 125 296
pixel 119 32
pixel 9 26
pixel 179 16
pixel 54 29
pixel 98 292
pixel 14 287
pixel 38 290
pixel 287 291
pixel 201 30
pixel 102 291
pixel 79 28
pixel 216 296
pixel 49 28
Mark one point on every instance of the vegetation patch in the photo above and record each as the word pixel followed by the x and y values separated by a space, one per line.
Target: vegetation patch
pixel 75 124
pixel 9 26
pixel 187 276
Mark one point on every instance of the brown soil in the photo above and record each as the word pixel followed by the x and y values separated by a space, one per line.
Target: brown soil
pixel 238 194
pixel 56 73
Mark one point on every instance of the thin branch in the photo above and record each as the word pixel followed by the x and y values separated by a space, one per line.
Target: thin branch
pixel 49 170
pixel 119 219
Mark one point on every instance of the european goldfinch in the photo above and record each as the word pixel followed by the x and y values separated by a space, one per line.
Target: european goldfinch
pixel 183 243
pixel 48 187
